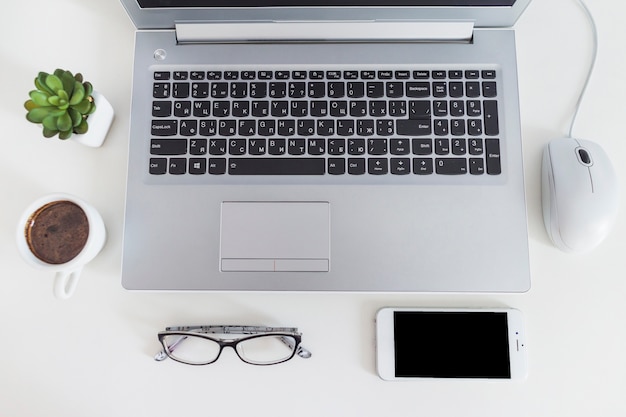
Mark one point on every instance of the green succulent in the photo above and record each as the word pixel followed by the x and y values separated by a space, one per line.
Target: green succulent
pixel 61 103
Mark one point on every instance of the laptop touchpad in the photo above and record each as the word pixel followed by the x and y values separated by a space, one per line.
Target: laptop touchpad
pixel 275 236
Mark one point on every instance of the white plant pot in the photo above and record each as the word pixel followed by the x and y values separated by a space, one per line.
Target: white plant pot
pixel 99 123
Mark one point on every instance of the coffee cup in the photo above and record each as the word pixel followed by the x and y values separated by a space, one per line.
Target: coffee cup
pixel 61 233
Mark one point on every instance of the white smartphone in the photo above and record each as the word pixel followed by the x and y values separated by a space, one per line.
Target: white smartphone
pixel 471 343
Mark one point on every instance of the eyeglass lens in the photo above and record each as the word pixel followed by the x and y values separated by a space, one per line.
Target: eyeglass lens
pixel 261 350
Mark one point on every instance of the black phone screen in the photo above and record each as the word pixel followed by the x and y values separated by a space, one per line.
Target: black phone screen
pixel 451 344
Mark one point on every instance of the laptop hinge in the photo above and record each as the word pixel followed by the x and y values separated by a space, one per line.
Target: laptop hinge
pixel 336 31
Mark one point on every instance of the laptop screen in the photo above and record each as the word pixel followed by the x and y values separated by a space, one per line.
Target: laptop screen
pixel 308 3
pixel 165 14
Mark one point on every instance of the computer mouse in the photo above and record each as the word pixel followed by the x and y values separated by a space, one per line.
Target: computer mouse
pixel 580 194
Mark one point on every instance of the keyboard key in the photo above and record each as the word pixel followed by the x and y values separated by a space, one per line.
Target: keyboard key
pixel 417 127
pixel 442 146
pixel 277 166
pixel 180 90
pixel 375 89
pixel 336 166
pixel 276 147
pixel 164 127
pixel 400 166
pixel 399 146
pixel 417 89
pixel 422 166
pixel 177 166
pixel 196 75
pixel 377 146
pixel 236 146
pixel 492 127
pixel 336 146
pixel 197 166
pixel 161 90
pixel 356 146
pixel 451 166
pixel 489 89
pixel 377 166
pixel 296 146
pixel 477 166
pixel 217 166
pixel 257 146
pixel 161 108
pixel 419 109
pixel 158 166
pixel 459 146
pixel 492 150
pixel 217 146
pixel 356 166
pixel 422 146
pixel 198 146
pixel 472 89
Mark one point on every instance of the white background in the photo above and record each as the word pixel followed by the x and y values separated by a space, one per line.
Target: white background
pixel 92 355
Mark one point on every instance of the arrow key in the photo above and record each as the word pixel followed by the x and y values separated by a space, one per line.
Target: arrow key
pixel 400 166
pixel 377 166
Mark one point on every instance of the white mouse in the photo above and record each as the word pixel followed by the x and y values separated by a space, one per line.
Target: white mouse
pixel 580 194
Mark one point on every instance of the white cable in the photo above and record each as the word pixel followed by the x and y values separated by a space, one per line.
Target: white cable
pixel 594 55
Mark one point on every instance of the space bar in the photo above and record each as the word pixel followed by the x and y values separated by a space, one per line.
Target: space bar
pixel 276 166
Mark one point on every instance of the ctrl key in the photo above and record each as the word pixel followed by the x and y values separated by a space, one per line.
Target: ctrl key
pixel 158 166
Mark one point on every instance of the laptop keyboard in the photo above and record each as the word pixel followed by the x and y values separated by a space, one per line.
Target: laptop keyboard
pixel 325 123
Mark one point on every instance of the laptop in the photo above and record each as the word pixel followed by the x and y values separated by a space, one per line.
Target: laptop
pixel 318 145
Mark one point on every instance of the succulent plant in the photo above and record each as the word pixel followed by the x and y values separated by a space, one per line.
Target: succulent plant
pixel 61 103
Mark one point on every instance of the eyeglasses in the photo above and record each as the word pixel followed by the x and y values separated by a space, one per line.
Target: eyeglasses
pixel 199 345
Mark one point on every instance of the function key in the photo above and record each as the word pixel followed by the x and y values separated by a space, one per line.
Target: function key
pixel 333 75
pixel 489 74
pixel 298 75
pixel 439 75
pixel 181 75
pixel 403 75
pixel 316 75
pixel 281 75
pixel 231 75
pixel 248 75
pixel 196 75
pixel 455 75
pixel 351 75
pixel 421 75
pixel 471 74
pixel 214 75
pixel 368 75
pixel 162 75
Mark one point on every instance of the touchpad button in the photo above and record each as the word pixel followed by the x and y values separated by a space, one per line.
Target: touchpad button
pixel 275 236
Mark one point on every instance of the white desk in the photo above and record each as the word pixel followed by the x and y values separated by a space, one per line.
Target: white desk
pixel 92 355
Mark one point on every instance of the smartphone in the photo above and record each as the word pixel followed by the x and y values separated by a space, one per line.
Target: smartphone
pixel 469 343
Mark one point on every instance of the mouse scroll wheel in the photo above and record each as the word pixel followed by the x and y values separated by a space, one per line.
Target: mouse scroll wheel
pixel 584 157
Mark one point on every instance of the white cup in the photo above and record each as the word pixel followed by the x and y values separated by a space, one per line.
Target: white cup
pixel 67 273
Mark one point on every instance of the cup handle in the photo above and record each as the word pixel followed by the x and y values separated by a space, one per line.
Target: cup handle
pixel 65 283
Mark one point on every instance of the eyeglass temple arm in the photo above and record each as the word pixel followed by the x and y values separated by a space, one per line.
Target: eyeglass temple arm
pixel 161 355
pixel 232 329
pixel 301 351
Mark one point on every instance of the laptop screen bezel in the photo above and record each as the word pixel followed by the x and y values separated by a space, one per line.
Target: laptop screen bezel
pixel 484 13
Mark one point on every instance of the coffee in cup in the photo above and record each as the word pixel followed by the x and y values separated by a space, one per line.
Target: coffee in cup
pixel 62 233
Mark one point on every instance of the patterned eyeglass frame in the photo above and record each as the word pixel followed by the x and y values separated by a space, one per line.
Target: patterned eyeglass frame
pixel 249 332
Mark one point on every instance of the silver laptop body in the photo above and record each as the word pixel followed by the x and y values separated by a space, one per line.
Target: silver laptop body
pixel 378 197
